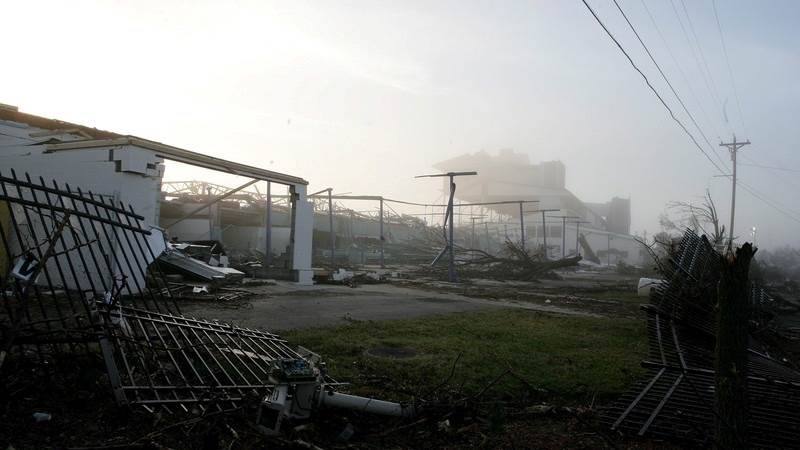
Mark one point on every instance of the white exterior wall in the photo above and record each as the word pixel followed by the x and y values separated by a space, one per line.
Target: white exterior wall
pixel 93 169
pixel 130 175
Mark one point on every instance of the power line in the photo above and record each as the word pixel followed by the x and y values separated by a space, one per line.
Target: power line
pixel 771 203
pixel 746 187
pixel 784 169
pixel 774 205
pixel 664 76
pixel 728 62
pixel 681 71
pixel 647 81
pixel 714 89
pixel 780 171
pixel 714 98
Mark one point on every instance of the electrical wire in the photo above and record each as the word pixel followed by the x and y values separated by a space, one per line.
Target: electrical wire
pixel 714 89
pixel 785 169
pixel 774 205
pixel 728 62
pixel 752 191
pixel 647 81
pixel 697 61
pixel 682 72
pixel 666 80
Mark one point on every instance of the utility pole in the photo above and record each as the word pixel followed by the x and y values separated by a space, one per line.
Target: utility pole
pixel 733 148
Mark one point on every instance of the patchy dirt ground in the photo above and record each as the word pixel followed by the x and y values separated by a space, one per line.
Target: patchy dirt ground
pixel 288 306
pixel 596 293
pixel 83 414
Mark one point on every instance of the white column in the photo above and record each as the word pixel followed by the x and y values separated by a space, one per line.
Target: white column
pixel 302 230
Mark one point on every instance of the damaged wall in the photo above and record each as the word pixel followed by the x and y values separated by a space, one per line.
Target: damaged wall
pixel 128 169
pixel 129 175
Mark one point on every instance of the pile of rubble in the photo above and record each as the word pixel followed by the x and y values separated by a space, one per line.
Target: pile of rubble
pixel 78 277
pixel 676 399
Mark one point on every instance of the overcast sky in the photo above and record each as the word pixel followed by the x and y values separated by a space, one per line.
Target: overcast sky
pixel 362 96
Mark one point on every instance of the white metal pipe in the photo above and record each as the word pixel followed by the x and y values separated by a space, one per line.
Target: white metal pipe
pixel 369 405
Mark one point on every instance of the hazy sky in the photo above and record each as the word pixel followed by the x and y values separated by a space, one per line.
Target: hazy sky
pixel 362 96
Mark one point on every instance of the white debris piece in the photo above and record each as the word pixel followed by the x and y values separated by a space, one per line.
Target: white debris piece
pixel 342 275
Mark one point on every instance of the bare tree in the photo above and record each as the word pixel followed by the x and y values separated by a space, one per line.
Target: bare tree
pixel 702 218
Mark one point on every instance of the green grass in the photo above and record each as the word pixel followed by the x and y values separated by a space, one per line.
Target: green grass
pixel 573 358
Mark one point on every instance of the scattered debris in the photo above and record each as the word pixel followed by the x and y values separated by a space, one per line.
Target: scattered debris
pixel 83 284
pixel 41 417
pixel 348 277
pixel 516 263
pixel 676 400
pixel 646 285
pixel 175 261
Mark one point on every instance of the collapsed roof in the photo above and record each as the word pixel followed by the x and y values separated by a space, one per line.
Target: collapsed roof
pixel 82 137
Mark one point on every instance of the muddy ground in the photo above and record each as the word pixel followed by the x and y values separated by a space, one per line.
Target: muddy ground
pixel 288 306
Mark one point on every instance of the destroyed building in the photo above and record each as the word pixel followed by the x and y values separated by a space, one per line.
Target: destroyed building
pixel 129 169
pixel 78 280
pixel 509 176
pixel 248 218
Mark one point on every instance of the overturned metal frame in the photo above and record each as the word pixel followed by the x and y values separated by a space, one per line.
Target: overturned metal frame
pixel 77 275
pixel 176 361
pixel 85 248
pixel 675 399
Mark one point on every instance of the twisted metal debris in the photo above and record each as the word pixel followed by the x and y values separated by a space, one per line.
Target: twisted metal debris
pixel 675 399
pixel 77 276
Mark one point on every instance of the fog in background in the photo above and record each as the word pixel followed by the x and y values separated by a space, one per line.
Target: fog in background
pixel 362 96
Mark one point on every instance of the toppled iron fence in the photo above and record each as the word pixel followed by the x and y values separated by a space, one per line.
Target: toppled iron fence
pixel 675 399
pixel 77 274
pixel 63 252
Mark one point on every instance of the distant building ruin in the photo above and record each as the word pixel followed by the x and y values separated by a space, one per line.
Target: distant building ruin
pixel 508 176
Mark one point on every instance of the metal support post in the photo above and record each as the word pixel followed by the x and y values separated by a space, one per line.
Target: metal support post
pixel 381 231
pixel 330 227
pixel 451 269
pixel 521 226
pixel 544 235
pixel 448 221
pixel 486 229
pixel 268 254
pixel 578 236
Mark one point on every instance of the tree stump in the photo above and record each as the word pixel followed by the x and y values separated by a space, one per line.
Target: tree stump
pixel 733 312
